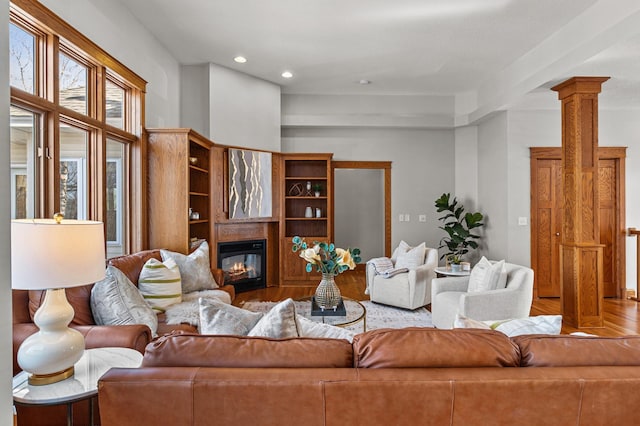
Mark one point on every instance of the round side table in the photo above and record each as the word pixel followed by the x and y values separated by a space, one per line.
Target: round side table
pixel 82 385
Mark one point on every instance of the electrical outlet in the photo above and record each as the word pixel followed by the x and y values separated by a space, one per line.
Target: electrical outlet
pixel 422 218
pixel 407 218
pixel 522 221
pixel 401 217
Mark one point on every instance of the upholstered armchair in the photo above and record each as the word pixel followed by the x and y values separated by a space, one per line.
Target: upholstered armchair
pixel 409 290
pixel 450 297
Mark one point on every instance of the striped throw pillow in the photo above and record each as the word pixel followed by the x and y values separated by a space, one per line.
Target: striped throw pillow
pixel 160 284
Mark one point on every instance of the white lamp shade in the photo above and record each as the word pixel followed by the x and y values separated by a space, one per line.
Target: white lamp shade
pixel 46 254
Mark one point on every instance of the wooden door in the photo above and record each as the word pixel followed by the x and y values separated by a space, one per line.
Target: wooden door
pixel 546 219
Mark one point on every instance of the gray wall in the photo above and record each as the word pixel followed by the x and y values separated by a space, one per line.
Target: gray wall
pixel 492 185
pixel 6 363
pixel 422 168
pixel 230 107
pixel 359 210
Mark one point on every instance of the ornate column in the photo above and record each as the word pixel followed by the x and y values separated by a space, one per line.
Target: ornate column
pixel 581 274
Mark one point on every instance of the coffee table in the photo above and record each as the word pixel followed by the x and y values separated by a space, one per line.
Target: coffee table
pixel 82 385
pixel 356 312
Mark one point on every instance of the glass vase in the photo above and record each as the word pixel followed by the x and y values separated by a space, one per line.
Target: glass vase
pixel 328 294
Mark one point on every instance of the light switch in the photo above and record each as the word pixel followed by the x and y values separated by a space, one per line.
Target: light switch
pixel 401 217
pixel 407 218
pixel 522 221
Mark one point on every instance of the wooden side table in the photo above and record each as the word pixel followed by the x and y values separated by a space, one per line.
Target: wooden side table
pixel 82 385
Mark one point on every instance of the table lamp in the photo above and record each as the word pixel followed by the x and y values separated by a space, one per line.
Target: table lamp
pixel 51 255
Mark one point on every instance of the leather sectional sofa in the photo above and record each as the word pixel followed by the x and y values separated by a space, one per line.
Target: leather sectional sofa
pixel 385 377
pixel 26 303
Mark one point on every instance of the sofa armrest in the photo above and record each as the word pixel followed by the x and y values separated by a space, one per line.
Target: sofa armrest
pixel 136 336
pixel 494 305
pixel 440 285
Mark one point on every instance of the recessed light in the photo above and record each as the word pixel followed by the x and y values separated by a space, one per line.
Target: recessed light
pixel 240 59
pixel 363 81
pixel 287 74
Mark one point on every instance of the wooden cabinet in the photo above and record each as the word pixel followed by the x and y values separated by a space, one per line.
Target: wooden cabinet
pixel 179 182
pixel 307 210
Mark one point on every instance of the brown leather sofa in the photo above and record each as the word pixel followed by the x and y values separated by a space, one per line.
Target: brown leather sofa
pixel 386 377
pixel 26 303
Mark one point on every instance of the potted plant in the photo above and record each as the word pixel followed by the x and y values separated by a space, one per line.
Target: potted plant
pixel 458 225
pixel 317 189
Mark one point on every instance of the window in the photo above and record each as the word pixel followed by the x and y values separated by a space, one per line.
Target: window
pixel 75 127
pixel 23 137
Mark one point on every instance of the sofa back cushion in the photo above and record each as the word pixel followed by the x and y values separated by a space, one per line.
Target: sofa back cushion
pixel 79 298
pixel 195 350
pixel 430 347
pixel 573 351
pixel 132 264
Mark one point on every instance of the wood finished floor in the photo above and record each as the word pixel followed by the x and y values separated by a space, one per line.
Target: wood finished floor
pixel 621 316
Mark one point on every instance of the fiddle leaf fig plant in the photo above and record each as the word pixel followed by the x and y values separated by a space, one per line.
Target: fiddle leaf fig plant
pixel 458 225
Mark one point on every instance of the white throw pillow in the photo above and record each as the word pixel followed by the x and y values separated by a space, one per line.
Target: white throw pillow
pixel 403 247
pixel 217 317
pixel 160 284
pixel 309 328
pixel 116 301
pixel 412 258
pixel 541 324
pixel 487 276
pixel 280 322
pixel 195 268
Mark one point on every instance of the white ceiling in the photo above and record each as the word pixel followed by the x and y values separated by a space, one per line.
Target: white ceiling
pixel 487 53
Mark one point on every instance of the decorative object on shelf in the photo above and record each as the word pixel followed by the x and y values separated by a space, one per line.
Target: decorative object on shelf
pixel 194 215
pixel 308 212
pixel 296 190
pixel 51 255
pixel 193 161
pixel 317 189
pixel 458 225
pixel 329 260
pixel 309 193
pixel 318 212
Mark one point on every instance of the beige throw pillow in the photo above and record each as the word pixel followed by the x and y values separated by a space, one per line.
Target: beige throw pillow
pixel 486 276
pixel 160 284
pixel 195 268
pixel 412 258
pixel 217 317
pixel 280 322
pixel 116 301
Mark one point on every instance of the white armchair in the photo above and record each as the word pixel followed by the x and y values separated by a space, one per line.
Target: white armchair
pixel 409 290
pixel 449 297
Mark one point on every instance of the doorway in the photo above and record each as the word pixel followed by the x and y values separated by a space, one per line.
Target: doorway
pixel 547 214
pixel 362 206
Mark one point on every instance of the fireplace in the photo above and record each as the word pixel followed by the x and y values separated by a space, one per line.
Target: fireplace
pixel 243 263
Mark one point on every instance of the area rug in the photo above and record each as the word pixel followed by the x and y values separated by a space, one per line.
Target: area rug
pixel 378 316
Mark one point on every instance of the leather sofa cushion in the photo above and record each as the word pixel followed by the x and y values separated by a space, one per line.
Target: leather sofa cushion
pixel 78 298
pixel 194 350
pixel 132 264
pixel 430 347
pixel 574 351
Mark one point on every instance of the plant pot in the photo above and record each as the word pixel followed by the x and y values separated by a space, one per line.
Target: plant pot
pixel 456 267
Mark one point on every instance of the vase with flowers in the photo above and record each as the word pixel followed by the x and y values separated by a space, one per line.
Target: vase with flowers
pixel 330 261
